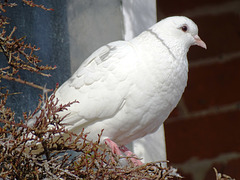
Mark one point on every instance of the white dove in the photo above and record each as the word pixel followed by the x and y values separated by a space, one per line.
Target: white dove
pixel 128 88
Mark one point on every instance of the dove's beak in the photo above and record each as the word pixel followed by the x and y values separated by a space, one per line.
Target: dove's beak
pixel 199 42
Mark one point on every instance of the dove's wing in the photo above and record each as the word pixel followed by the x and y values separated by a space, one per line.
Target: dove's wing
pixel 100 85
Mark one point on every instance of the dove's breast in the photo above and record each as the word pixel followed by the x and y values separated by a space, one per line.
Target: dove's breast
pixel 157 86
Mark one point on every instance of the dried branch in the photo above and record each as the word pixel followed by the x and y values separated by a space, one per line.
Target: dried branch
pixel 32 4
pixel 19 55
pixel 15 50
pixel 25 82
pixel 47 150
pixel 6 4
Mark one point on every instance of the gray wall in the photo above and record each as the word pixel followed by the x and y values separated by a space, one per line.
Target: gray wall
pixel 92 23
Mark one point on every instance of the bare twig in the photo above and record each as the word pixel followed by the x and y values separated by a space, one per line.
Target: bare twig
pixel 25 82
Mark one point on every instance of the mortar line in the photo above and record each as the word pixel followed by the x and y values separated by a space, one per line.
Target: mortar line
pixel 206 112
pixel 213 60
pixel 233 6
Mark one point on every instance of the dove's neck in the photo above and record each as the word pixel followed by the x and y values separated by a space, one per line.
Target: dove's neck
pixel 152 40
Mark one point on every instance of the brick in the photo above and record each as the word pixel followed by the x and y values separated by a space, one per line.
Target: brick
pixel 186 176
pixel 175 113
pixel 221 33
pixel 211 173
pixel 213 85
pixel 202 137
pixel 178 111
pixel 230 168
pixel 173 7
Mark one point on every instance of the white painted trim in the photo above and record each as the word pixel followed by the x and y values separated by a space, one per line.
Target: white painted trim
pixel 138 15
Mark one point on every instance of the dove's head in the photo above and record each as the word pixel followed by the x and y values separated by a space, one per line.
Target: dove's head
pixel 178 31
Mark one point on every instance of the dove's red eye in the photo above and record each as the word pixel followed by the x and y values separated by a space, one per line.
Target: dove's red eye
pixel 184 28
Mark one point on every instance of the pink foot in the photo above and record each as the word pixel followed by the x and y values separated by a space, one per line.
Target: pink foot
pixel 127 152
pixel 113 146
pixel 116 150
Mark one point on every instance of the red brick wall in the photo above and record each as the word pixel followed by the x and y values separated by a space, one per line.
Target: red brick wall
pixel 204 131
